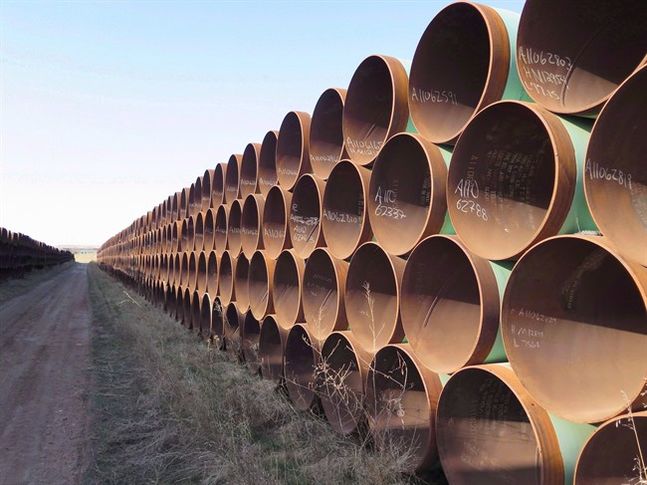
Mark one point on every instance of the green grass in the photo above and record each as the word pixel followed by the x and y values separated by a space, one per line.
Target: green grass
pixel 170 409
pixel 15 286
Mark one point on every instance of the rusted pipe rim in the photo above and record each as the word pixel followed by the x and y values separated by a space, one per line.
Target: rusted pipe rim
pixel 372 296
pixel 287 283
pixel 205 316
pixel 201 273
pixel 326 134
pixel 345 223
pixel 506 144
pixel 401 398
pixel 569 62
pixel 324 278
pixel 198 238
pixel 217 318
pixel 234 219
pixel 573 315
pixel 220 229
pixel 187 315
pixel 300 367
pixel 609 456
pixel 267 176
pixel 489 430
pixel 218 192
pixel 304 222
pixel 193 270
pixel 251 224
pixel 232 178
pixel 615 175
pixel 212 274
pixel 250 335
pixel 249 170
pixel 460 66
pixel 340 381
pixel 292 148
pixel 376 107
pixel 261 275
pixel 406 201
pixel 226 277
pixel 240 283
pixel 276 236
pixel 449 304
pixel 207 187
pixel 270 349
pixel 209 226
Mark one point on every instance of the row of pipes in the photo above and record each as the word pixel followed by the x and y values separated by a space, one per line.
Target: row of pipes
pixel 452 256
pixel 20 254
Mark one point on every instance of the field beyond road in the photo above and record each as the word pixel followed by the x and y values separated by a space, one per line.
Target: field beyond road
pixel 99 386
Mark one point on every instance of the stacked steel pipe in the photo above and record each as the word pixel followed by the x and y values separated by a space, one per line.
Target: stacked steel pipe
pixel 20 253
pixel 439 256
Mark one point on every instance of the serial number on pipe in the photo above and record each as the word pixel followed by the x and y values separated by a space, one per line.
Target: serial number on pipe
pixel 433 96
pixel 596 172
pixel 388 211
pixel 472 207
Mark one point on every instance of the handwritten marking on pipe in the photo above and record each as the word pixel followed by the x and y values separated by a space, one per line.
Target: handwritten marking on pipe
pixel 471 207
pixel 597 172
pixel 433 96
pixel 274 233
pixel 342 217
pixel 363 147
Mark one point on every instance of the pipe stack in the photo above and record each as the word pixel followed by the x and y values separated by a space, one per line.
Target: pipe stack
pixel 19 254
pixel 451 257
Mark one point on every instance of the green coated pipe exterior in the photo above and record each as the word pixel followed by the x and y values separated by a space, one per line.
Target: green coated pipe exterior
pixel 446 152
pixel 513 87
pixel 501 270
pixel 571 437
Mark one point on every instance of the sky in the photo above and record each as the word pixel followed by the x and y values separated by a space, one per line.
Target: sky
pixel 106 108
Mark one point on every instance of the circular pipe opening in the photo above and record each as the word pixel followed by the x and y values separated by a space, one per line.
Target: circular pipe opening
pixel 195 312
pixel 201 273
pixel 490 431
pixel 184 236
pixel 460 66
pixel 326 135
pixel 288 279
pixel 191 202
pixel 177 270
pixel 610 455
pixel 220 229
pixel 184 269
pixel 251 331
pixel 251 223
pixel 340 380
pixel 267 177
pixel 276 236
pixel 190 231
pixel 218 192
pixel 234 219
pixel 209 226
pixel 232 324
pixel 615 175
pixel 240 283
pixel 226 284
pixel 570 62
pixel 304 222
pixel 249 170
pixel 324 278
pixel 372 296
pixel 207 186
pixel 449 305
pixel 205 316
pixel 212 274
pixel 232 179
pixel 345 224
pixel 179 305
pixel 199 232
pixel 195 202
pixel 193 271
pixel 401 399
pixel 217 319
pixel 176 205
pixel 511 179
pixel 292 148
pixel 261 275
pixel 270 349
pixel 301 366
pixel 187 315
pixel 406 201
pixel 573 324
pixel 375 108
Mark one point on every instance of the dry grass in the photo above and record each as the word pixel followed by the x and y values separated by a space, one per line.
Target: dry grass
pixel 17 285
pixel 171 409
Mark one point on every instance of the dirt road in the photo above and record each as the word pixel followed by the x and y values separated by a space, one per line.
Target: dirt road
pixel 44 357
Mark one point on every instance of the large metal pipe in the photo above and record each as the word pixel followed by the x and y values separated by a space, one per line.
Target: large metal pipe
pixel 276 236
pixel 261 275
pixel 293 149
pixel 233 320
pixel 615 453
pixel 340 382
pixel 220 229
pixel 615 175
pixel 179 304
pixel 515 178
pixel 270 349
pixel 326 134
pixel 184 269
pixel 207 188
pixel 206 311
pixel 201 273
pixel 464 61
pixel 376 107
pixel 209 226
pixel 267 177
pixel 372 297
pixel 324 279
pixel 226 276
pixel 250 336
pixel 450 305
pixel 401 399
pixel 241 289
pixel 301 364
pixel 234 219
pixel 572 62
pixel 406 201
pixel 287 288
pixel 198 238
pixel 195 197
pixel 345 224
pixel 217 320
pixel 304 222
pixel 218 191
pixel 249 170
pixel 192 274
pixel 187 305
pixel 232 178
pixel 196 323
pixel 574 324
pixel 251 224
